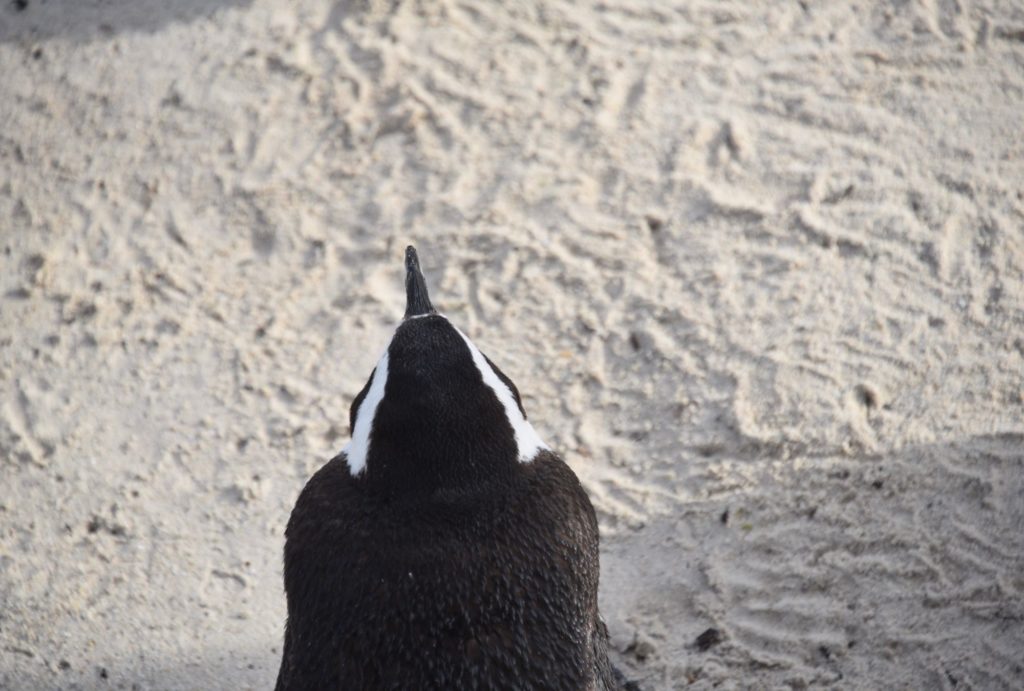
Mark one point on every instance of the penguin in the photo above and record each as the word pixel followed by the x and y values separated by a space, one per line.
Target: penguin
pixel 446 546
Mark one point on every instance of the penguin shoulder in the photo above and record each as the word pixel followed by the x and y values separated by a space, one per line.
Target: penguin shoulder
pixel 558 492
pixel 330 521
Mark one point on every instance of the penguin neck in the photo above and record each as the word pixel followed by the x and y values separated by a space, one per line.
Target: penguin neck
pixel 434 419
pixel 432 442
pixel 425 466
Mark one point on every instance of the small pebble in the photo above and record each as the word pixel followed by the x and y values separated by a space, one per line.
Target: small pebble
pixel 709 638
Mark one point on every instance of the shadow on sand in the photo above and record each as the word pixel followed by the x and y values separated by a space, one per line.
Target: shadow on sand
pixel 90 20
pixel 813 568
pixel 213 668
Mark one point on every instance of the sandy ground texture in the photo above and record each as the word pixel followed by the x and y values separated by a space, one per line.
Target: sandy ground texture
pixel 757 267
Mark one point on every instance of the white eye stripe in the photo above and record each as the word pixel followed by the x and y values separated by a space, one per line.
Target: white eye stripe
pixel 358 448
pixel 528 441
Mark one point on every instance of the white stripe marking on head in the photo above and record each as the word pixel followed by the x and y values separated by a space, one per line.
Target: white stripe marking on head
pixel 527 440
pixel 358 448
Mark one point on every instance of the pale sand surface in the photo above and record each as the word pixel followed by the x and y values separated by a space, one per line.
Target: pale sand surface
pixel 763 258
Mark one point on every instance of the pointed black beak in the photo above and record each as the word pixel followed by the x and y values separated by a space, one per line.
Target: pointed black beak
pixel 417 301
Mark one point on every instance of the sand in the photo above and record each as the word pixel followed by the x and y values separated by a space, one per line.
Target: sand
pixel 756 267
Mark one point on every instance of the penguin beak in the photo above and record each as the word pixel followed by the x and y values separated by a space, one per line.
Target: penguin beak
pixel 417 301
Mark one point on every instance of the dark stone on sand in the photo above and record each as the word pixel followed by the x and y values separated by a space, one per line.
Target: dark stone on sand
pixel 709 638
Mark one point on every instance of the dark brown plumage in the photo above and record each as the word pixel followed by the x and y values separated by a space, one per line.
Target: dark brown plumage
pixel 446 562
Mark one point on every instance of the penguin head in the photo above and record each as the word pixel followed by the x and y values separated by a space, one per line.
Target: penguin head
pixel 436 413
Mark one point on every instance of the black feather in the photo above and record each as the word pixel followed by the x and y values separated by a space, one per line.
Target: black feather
pixel 447 563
